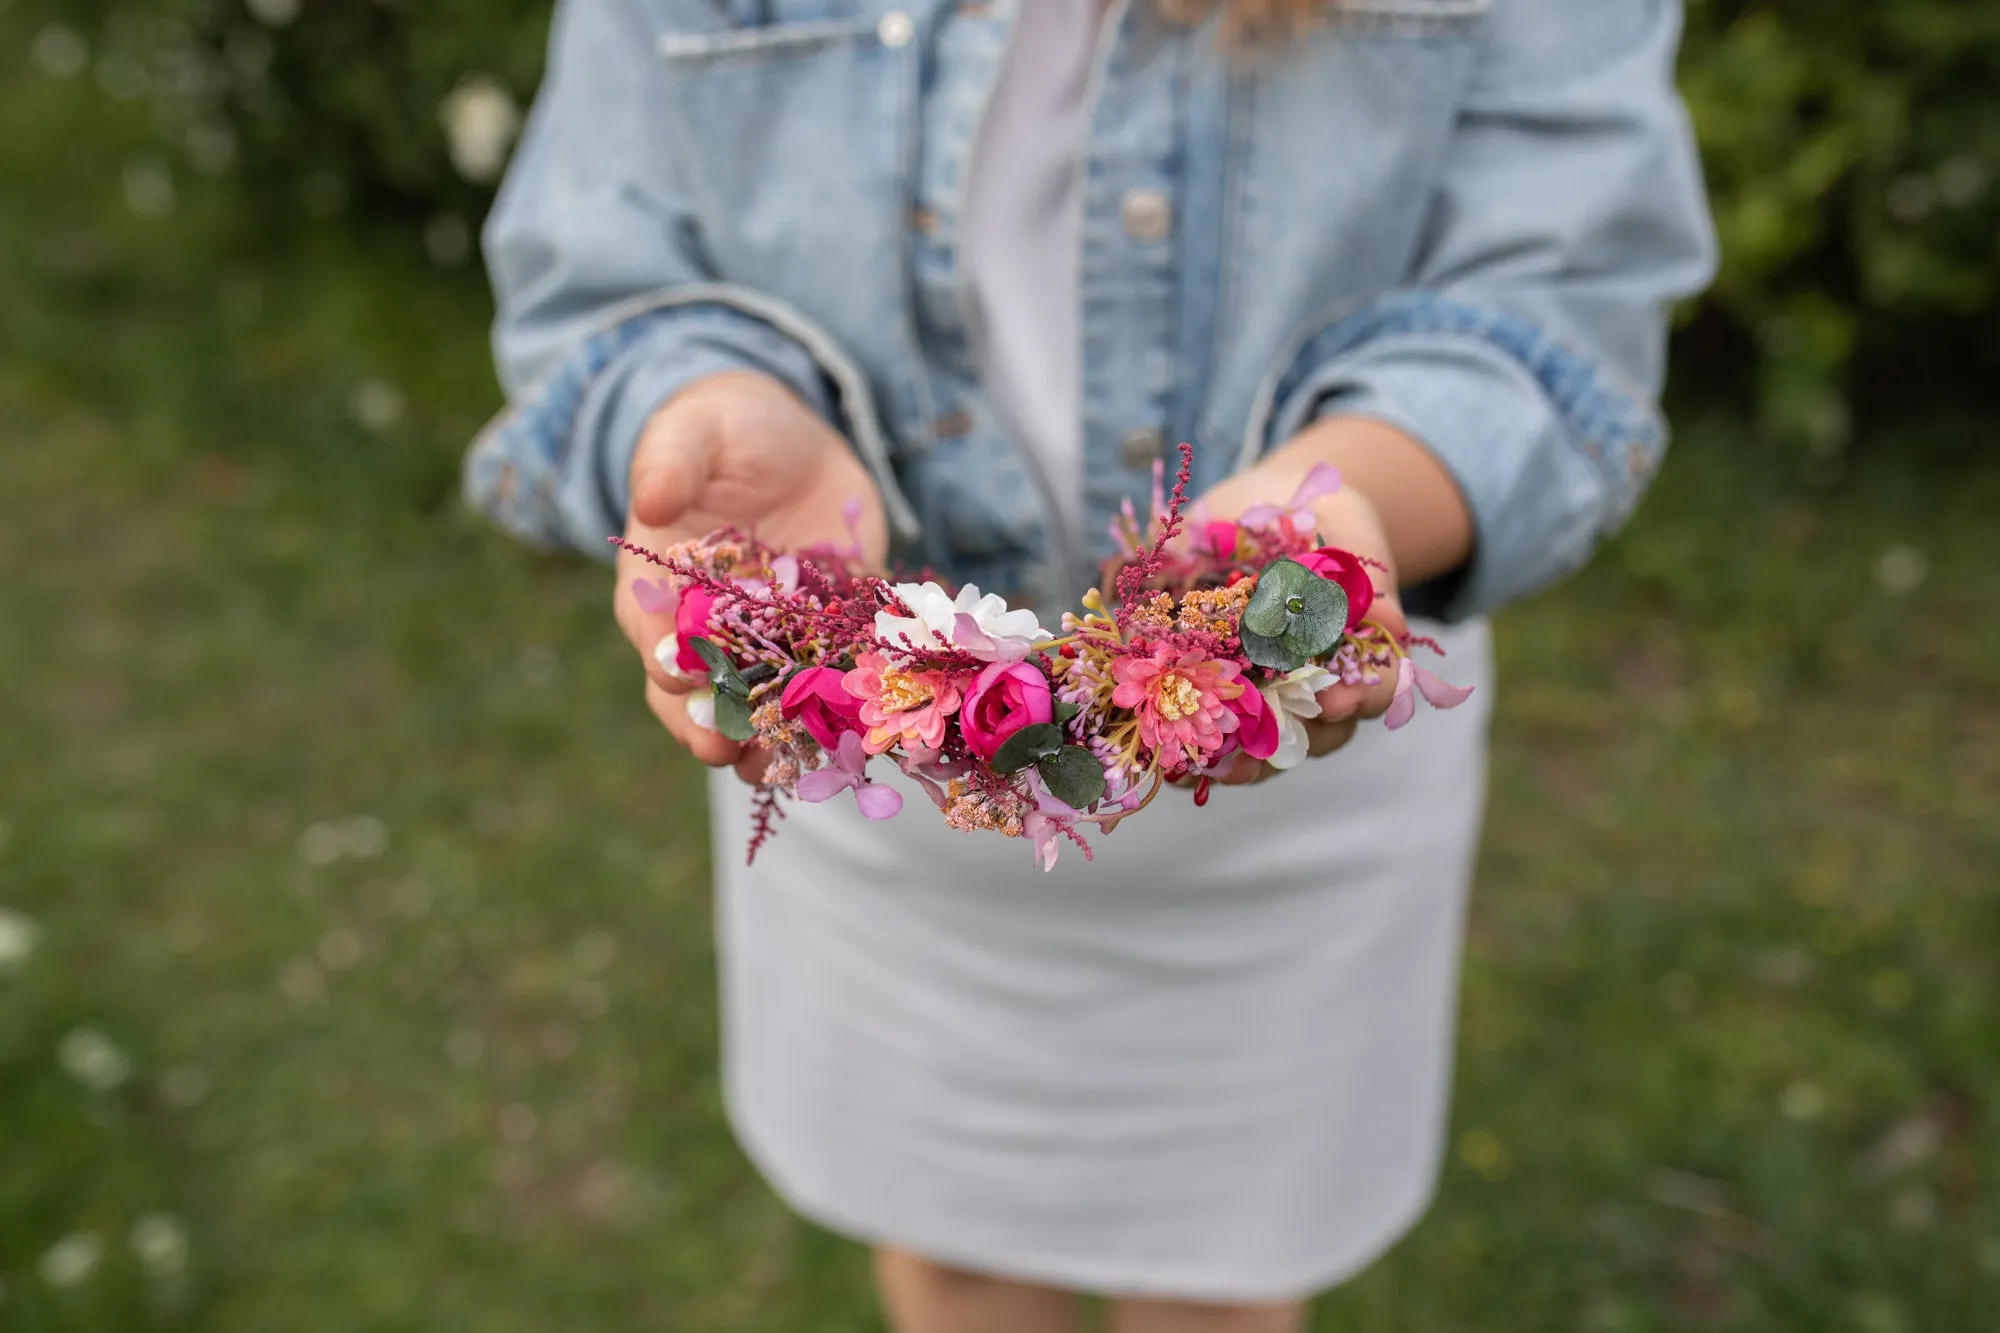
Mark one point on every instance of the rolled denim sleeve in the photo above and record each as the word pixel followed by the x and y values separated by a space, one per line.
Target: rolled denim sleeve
pixel 1528 350
pixel 606 305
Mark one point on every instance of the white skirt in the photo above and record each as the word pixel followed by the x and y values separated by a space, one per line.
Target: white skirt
pixel 1212 1065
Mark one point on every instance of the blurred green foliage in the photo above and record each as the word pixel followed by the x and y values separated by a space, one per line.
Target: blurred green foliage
pixel 354 926
pixel 1852 149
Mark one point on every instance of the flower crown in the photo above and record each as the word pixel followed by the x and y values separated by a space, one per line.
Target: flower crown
pixel 1218 642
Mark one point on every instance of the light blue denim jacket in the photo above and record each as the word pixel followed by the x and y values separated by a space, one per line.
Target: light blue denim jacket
pixel 1466 218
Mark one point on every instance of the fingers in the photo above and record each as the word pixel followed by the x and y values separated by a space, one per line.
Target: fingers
pixel 671 468
pixel 1243 771
pixel 710 747
pixel 752 763
pixel 645 631
pixel 1323 738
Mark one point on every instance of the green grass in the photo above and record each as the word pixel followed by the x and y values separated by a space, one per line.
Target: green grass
pixel 340 818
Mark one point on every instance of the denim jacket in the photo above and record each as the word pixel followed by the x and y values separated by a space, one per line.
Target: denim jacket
pixel 1466 218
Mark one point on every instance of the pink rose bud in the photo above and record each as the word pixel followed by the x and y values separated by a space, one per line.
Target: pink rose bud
pixel 1346 569
pixel 817 700
pixel 691 622
pixel 1004 698
pixel 1221 539
pixel 1256 725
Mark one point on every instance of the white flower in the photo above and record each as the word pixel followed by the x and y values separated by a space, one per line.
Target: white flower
pixel 936 622
pixel 93 1059
pixel 160 1243
pixel 1291 699
pixel 701 709
pixel 274 13
pixel 71 1259
pixel 18 937
pixel 480 121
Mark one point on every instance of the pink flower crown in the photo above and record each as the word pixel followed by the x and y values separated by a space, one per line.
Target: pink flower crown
pixel 1218 643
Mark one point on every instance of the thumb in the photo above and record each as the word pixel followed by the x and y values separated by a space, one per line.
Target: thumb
pixel 670 470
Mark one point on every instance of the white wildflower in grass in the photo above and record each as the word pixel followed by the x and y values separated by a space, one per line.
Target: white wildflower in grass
pixel 70 1261
pixel 211 147
pixel 377 405
pixel 59 52
pixel 18 937
pixel 480 122
pixel 149 188
pixel 1901 570
pixel 160 1243
pixel 273 13
pixel 93 1059
pixel 321 844
pixel 365 836
pixel 595 950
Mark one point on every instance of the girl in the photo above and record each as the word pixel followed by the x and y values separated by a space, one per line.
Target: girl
pixel 980 265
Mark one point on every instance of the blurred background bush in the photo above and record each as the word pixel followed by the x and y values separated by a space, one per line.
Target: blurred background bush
pixel 1850 147
pixel 353 927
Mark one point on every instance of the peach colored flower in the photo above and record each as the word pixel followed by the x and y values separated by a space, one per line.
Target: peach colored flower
pixel 897 706
pixel 1182 700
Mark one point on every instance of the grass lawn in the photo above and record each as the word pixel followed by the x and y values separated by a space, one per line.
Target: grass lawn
pixel 355 969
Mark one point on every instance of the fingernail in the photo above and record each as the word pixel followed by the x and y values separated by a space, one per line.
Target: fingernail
pixel 701 709
pixel 667 653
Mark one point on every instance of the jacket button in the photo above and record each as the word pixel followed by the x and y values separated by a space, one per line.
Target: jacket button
pixel 1147 215
pixel 895 29
pixel 1141 448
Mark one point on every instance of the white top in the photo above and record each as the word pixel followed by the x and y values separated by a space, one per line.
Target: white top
pixel 1211 1065
pixel 1022 236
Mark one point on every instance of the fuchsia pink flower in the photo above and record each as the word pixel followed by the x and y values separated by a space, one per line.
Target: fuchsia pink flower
pixel 1346 569
pixel 816 700
pixel 691 615
pixel 1182 700
pixel 898 706
pixel 1219 539
pixel 849 770
pixel 1004 698
pixel 1437 693
pixel 1256 724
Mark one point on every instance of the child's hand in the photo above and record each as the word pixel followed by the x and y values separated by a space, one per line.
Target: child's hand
pixel 1346 520
pixel 737 448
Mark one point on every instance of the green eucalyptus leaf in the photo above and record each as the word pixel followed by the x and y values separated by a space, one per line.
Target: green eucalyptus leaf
pixel 1073 775
pixel 1303 611
pixel 1026 746
pixel 721 670
pixel 759 672
pixel 1271 651
pixel 732 716
pixel 1064 711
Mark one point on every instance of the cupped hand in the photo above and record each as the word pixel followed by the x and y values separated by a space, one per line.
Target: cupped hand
pixel 737 448
pixel 1349 521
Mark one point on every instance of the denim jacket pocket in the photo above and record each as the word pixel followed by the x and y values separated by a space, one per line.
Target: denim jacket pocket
pixel 786 38
pixel 1408 18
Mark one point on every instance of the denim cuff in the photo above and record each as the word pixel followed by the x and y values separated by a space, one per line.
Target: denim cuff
pixel 553 468
pixel 1550 447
